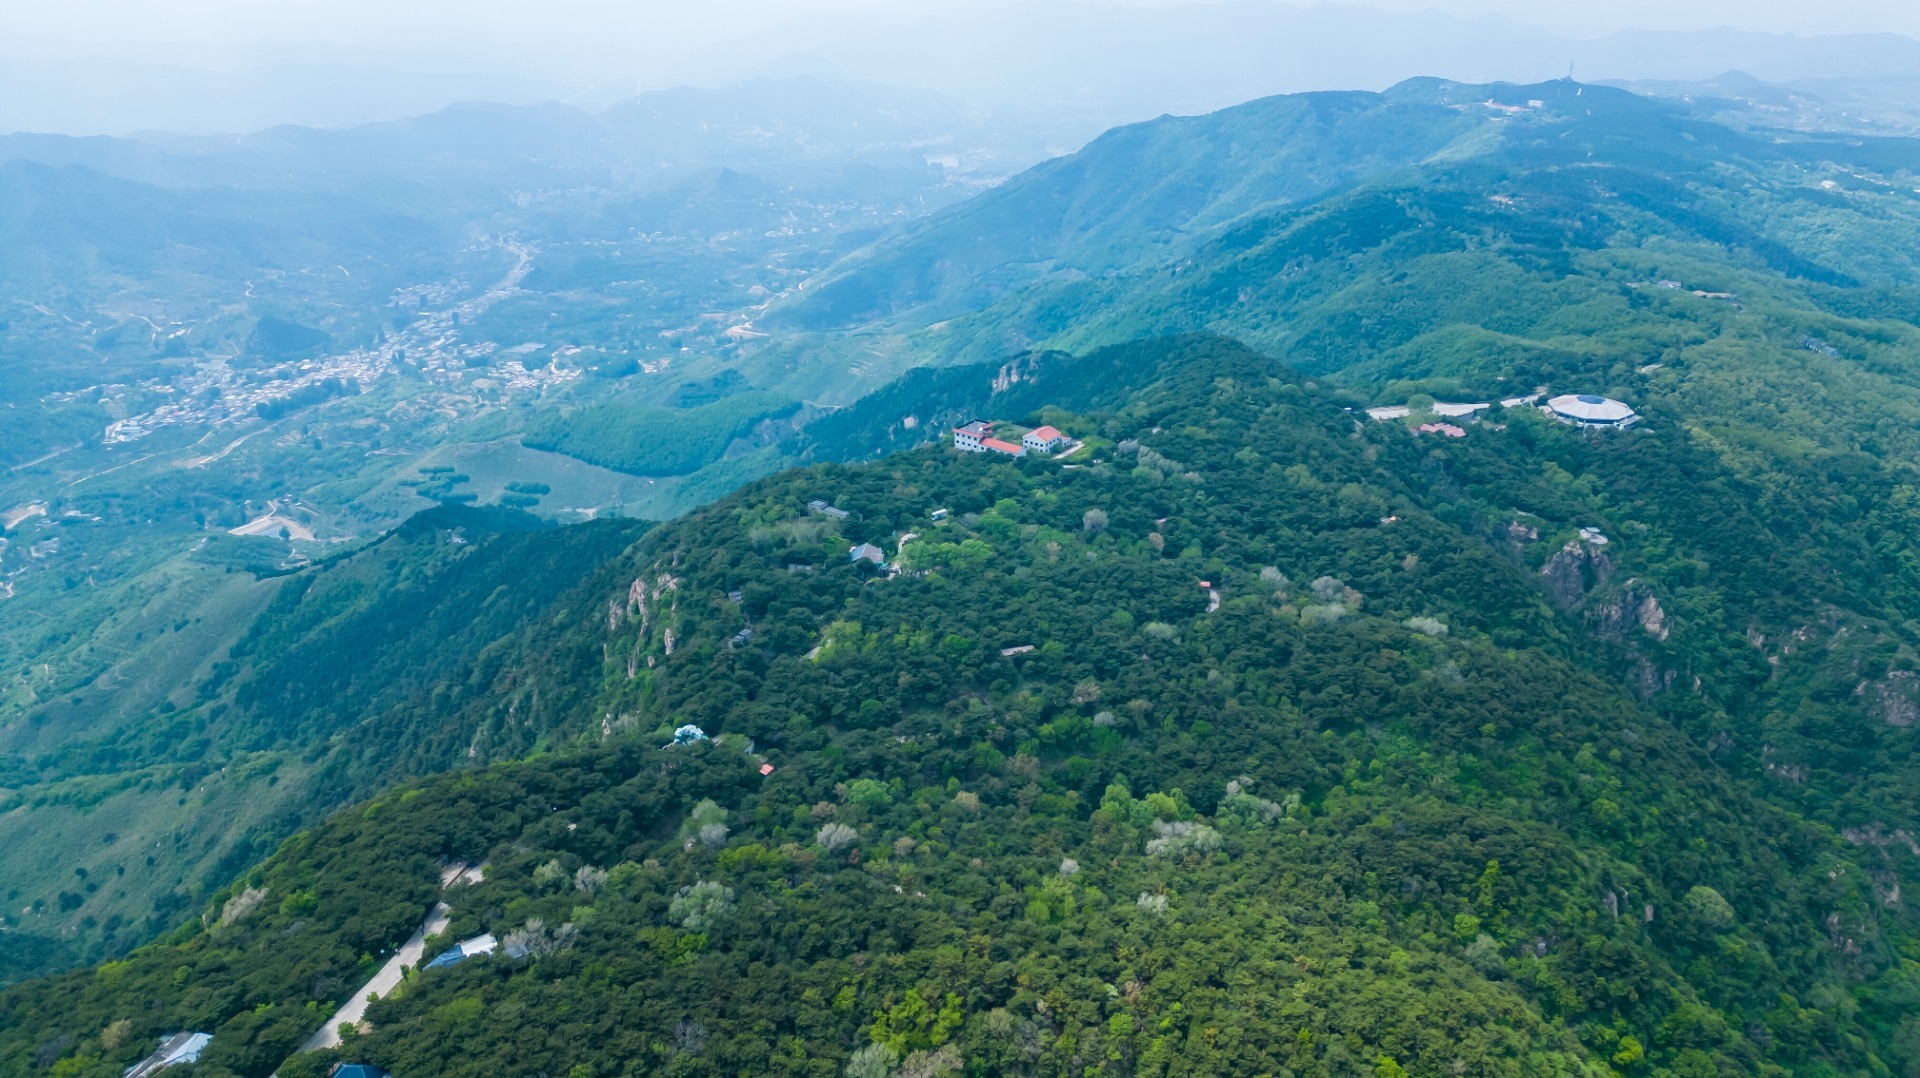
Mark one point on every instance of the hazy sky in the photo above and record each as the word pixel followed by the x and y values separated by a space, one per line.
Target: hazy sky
pixel 74 27
pixel 203 66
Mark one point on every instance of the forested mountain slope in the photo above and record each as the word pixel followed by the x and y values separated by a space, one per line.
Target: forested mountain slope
pixel 434 648
pixel 399 660
pixel 1130 195
pixel 1439 229
pixel 1254 741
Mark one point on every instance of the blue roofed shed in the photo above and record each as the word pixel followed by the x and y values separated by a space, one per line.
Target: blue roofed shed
pixel 472 948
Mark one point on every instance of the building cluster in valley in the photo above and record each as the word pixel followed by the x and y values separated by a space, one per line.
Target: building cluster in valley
pixel 220 391
pixel 1576 409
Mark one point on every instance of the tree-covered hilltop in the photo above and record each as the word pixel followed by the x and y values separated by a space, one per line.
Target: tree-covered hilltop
pixel 1367 800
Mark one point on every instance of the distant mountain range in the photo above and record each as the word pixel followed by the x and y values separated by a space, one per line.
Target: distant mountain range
pixel 1104 63
pixel 1242 220
pixel 807 127
pixel 1136 62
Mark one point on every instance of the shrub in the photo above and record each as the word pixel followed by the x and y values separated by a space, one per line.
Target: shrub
pixel 873 1061
pixel 1241 809
pixel 588 879
pixel 701 906
pixel 1177 838
pixel 869 793
pixel 536 939
pixel 706 824
pixel 835 837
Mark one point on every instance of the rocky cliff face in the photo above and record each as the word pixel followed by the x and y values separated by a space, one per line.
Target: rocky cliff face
pixel 1633 606
pixel 1573 572
pixel 1627 616
pixel 1894 699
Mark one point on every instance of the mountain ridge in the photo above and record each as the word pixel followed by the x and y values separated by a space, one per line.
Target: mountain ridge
pixel 1386 773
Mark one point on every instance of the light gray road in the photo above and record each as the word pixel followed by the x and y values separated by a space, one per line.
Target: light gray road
pixel 383 982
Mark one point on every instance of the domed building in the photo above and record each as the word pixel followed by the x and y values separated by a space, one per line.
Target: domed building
pixel 1589 410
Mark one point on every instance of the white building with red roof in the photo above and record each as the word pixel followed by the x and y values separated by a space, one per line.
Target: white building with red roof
pixel 1043 439
pixel 972 437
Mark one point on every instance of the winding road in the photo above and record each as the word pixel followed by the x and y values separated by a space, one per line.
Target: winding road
pixel 328 1036
pixel 390 975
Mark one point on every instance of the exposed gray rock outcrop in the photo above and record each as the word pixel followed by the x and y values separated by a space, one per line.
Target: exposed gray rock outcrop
pixel 1894 699
pixel 1633 606
pixel 1577 569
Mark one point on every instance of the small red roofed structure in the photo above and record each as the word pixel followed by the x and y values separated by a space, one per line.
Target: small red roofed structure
pixel 1447 429
pixel 1043 439
pixel 766 769
pixel 999 446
